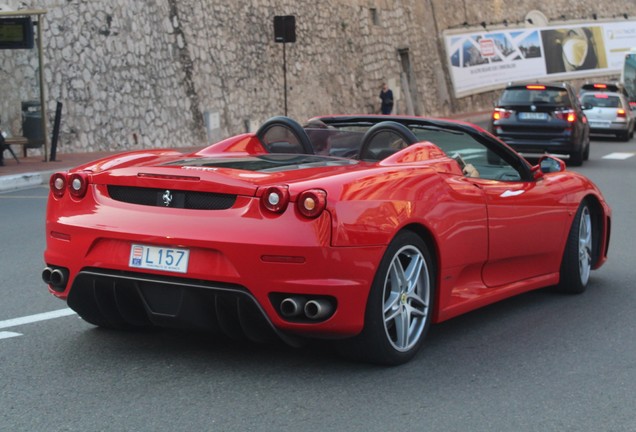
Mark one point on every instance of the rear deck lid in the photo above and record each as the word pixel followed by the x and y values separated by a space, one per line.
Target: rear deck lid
pixel 238 175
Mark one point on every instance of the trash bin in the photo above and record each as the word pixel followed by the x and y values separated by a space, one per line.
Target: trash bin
pixel 32 124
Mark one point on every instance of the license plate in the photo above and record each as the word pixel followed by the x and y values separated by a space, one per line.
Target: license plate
pixel 159 258
pixel 600 124
pixel 533 116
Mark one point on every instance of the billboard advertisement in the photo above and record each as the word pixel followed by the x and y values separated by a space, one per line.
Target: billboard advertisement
pixel 486 60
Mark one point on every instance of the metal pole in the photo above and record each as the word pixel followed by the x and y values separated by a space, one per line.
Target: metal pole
pixel 56 130
pixel 285 76
pixel 42 90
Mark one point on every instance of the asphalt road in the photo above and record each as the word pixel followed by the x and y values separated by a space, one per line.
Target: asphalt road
pixel 538 362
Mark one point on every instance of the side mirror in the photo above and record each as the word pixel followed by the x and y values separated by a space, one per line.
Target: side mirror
pixel 548 164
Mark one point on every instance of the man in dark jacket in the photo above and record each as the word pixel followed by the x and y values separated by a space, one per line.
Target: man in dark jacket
pixel 387 99
pixel 3 146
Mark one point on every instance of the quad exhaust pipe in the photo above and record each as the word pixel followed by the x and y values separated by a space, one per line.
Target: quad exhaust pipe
pixel 318 309
pixel 56 277
pixel 46 275
pixel 300 307
pixel 291 307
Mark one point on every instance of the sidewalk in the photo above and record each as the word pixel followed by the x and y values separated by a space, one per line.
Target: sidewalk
pixel 34 171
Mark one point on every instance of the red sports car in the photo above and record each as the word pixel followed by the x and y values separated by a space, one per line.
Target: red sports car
pixel 362 229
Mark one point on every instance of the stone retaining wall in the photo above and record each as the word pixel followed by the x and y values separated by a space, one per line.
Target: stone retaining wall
pixel 171 73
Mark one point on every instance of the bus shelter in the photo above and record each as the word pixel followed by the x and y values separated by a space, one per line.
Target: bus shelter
pixel 22 29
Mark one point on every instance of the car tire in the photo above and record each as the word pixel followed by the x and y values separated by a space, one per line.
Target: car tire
pixel 576 158
pixel 586 152
pixel 400 304
pixel 623 136
pixel 579 253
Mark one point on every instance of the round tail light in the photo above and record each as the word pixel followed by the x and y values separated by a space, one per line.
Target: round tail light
pixel 57 183
pixel 78 184
pixel 275 198
pixel 312 202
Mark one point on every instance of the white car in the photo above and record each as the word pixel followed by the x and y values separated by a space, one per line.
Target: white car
pixel 609 113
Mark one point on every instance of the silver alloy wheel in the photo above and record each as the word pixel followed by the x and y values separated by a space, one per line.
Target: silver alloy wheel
pixel 407 293
pixel 585 245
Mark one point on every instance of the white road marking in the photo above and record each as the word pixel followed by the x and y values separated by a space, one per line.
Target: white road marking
pixel 7 335
pixel 35 318
pixel 618 156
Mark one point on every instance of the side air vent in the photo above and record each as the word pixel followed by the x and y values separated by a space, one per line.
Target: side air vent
pixel 172 198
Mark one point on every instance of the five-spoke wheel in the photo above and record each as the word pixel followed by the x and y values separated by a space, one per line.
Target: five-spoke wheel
pixel 585 245
pixel 400 304
pixel 578 257
pixel 406 298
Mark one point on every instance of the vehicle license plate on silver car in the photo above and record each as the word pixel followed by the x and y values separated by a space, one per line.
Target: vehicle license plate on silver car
pixel 533 116
pixel 159 258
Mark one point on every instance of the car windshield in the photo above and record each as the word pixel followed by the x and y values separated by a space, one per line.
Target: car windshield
pixel 601 100
pixel 524 96
pixel 344 140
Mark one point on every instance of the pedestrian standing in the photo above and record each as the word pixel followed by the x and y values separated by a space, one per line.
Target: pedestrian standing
pixel 3 146
pixel 387 99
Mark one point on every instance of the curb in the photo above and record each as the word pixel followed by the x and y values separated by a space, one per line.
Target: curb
pixel 22 181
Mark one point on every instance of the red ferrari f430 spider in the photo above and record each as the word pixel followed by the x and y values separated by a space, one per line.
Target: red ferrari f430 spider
pixel 362 229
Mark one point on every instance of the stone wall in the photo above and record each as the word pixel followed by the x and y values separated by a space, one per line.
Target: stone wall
pixel 172 73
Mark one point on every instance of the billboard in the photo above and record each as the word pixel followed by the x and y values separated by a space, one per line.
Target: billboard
pixel 486 60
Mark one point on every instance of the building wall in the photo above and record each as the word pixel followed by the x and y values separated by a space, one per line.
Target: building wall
pixel 171 73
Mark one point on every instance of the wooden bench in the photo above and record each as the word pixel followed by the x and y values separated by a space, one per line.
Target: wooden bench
pixel 21 141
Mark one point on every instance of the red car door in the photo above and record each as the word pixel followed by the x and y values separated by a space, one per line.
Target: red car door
pixel 527 224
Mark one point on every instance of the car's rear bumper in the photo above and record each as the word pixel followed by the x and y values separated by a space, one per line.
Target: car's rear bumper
pixel 611 129
pixel 260 262
pixel 534 145
pixel 534 139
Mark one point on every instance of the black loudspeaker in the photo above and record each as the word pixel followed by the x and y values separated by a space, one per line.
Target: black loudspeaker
pixel 285 28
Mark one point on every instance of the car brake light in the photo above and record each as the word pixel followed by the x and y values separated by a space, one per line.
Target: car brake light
pixel 500 113
pixel 57 184
pixel 535 87
pixel 78 184
pixel 600 86
pixel 311 202
pixel 621 113
pixel 568 115
pixel 275 198
pixel 601 96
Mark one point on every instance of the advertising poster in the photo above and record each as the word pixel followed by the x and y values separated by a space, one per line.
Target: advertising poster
pixel 488 60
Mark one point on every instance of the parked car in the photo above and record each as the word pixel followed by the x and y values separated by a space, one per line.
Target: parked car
pixel 609 113
pixel 536 118
pixel 363 229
